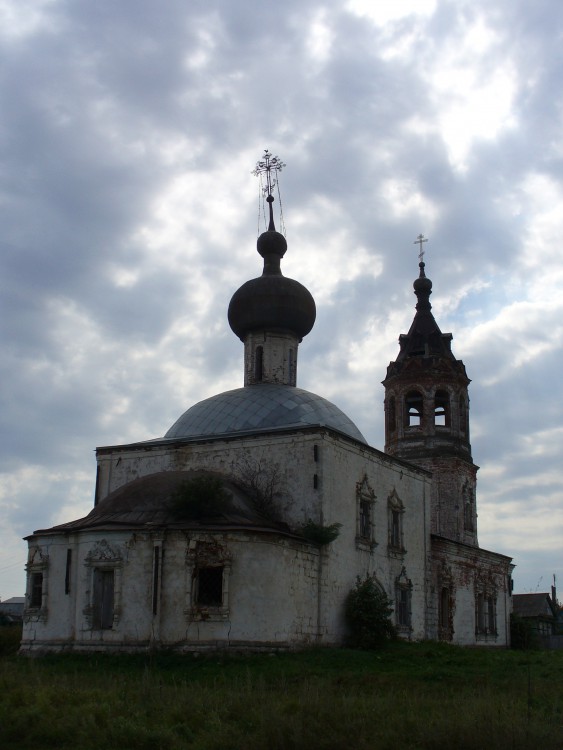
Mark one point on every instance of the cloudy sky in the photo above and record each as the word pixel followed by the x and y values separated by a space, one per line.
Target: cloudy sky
pixel 128 217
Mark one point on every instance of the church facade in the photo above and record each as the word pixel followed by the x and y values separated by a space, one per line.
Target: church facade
pixel 249 522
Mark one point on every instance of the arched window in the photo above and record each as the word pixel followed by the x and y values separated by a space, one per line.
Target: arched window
pixel 259 364
pixel 413 411
pixel 442 409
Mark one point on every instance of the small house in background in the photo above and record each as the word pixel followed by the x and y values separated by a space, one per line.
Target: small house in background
pixel 543 613
pixel 11 611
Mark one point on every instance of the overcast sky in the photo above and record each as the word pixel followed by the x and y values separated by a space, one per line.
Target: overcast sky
pixel 128 217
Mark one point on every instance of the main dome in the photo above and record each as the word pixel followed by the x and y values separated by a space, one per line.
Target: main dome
pixel 261 408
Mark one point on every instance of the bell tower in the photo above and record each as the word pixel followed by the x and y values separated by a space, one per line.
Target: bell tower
pixel 427 416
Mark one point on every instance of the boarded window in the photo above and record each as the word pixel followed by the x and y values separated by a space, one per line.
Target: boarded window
pixel 103 606
pixel 209 587
pixel 36 592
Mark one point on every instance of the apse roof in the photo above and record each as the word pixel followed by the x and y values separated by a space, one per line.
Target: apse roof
pixel 261 408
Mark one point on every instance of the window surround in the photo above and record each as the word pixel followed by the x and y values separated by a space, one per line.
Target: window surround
pixel 204 553
pixel 37 576
pixel 395 512
pixel 485 610
pixel 446 603
pixel 103 557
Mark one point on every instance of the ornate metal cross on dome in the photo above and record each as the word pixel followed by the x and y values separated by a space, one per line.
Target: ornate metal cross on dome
pixel 266 168
pixel 419 240
pixel 267 165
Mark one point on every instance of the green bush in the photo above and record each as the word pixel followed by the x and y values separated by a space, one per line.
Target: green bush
pixel 368 610
pixel 200 497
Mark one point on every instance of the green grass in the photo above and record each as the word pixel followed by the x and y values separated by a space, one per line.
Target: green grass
pixel 415 696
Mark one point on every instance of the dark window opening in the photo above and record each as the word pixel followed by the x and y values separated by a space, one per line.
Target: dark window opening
pixel 315 453
pixel 413 409
pixel 315 481
pixel 365 519
pixel 209 587
pixel 395 536
pixel 67 570
pixel 445 608
pixel 491 615
pixel 403 607
pixel 155 579
pixel 103 605
pixel 480 613
pixel 442 409
pixel 36 593
pixel 259 363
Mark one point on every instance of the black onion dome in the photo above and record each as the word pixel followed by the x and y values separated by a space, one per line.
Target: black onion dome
pixel 272 302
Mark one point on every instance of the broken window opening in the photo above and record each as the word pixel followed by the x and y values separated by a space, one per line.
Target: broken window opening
pixel 36 590
pixel 414 406
pixel 209 587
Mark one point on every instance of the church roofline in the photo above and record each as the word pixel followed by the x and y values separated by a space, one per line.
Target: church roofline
pixel 229 437
pixel 468 549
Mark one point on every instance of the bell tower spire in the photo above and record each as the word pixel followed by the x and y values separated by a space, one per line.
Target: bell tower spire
pixel 427 415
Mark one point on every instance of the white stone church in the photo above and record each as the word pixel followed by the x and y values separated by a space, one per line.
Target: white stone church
pixel 250 572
